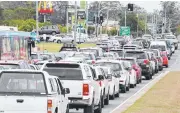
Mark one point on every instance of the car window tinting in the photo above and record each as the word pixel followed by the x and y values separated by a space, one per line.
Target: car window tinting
pixel 22 83
pixel 65 73
pixel 138 55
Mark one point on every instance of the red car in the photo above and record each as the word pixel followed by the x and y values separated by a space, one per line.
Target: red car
pixel 135 66
pixel 165 60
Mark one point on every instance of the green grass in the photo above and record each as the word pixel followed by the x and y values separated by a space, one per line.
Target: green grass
pixel 54 47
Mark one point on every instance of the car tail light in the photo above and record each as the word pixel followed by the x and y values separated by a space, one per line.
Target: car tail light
pixel 85 89
pixel 100 83
pixel 146 61
pixel 93 62
pixel 121 81
pixel 49 106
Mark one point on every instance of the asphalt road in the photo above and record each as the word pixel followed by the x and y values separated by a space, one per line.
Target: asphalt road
pixel 174 65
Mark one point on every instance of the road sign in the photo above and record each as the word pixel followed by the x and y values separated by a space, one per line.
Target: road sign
pixel 125 31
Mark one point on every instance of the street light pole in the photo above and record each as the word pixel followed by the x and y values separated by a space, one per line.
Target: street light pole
pixel 37 16
pixel 67 18
pixel 125 18
pixel 75 23
pixel 87 16
pixel 137 25
pixel 145 22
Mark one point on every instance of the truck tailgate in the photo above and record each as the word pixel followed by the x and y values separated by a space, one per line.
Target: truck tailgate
pixel 23 104
pixel 75 86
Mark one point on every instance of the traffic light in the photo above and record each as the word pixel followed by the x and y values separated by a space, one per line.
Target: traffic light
pixel 130 7
pixel 101 20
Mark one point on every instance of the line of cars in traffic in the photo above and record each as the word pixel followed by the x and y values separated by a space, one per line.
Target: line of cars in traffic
pixel 81 78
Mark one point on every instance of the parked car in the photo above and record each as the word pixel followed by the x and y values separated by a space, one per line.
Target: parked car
pixel 80 79
pixel 51 29
pixel 32 91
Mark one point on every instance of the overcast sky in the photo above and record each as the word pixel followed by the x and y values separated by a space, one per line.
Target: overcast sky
pixel 149 6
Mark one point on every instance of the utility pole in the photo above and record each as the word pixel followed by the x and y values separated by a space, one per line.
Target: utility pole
pixel 37 17
pixel 107 21
pixel 125 18
pixel 75 23
pixel 98 19
pixel 145 23
pixel 137 24
pixel 87 16
pixel 67 17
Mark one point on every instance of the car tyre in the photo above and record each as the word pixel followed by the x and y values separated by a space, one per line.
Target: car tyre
pixel 102 101
pixel 132 85
pixel 124 89
pixel 89 109
pixel 53 33
pixel 113 96
pixel 99 109
pixel 167 66
pixel 67 109
pixel 128 87
pixel 117 94
pixel 59 41
pixel 148 77
pixel 106 101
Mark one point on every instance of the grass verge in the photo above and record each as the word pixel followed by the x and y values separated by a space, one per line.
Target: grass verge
pixel 163 97
pixel 54 47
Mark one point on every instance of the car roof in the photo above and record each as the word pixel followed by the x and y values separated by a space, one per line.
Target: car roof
pixel 112 61
pixel 158 42
pixel 11 61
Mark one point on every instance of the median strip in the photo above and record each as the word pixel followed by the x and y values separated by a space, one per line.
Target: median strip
pixel 163 97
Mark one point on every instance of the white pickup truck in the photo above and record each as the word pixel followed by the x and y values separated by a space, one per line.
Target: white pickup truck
pixel 80 79
pixel 32 91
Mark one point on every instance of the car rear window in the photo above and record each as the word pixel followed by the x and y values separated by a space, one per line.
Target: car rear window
pixel 138 55
pixel 10 66
pixel 160 47
pixel 65 73
pixel 22 83
pixel 132 61
pixel 114 66
pixel 90 50
pixel 34 56
pixel 120 53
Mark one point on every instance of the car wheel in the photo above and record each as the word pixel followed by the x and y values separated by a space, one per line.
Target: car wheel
pixel 89 109
pixel 117 94
pixel 59 41
pixel 167 66
pixel 99 109
pixel 128 87
pixel 54 40
pixel 148 77
pixel 102 101
pixel 106 101
pixel 113 96
pixel 67 109
pixel 169 58
pixel 53 33
pixel 132 85
pixel 124 89
pixel 140 80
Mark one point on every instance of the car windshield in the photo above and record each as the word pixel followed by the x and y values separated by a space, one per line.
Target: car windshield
pixel 45 55
pixel 160 47
pixel 114 66
pixel 138 55
pixel 34 56
pixel 65 73
pixel 87 56
pixel 90 50
pixel 10 66
pixel 22 83
pixel 132 61
pixel 170 37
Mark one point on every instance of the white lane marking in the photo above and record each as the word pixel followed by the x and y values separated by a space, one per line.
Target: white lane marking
pixel 163 73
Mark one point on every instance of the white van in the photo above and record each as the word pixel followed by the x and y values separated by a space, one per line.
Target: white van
pixel 161 45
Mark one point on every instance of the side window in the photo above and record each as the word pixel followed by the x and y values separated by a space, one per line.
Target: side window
pixel 32 67
pixel 61 87
pixel 93 73
pixel 87 70
pixel 58 87
pixel 53 89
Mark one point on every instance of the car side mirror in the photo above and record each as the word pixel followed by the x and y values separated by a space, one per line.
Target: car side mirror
pixel 66 91
pixel 109 76
pixel 101 77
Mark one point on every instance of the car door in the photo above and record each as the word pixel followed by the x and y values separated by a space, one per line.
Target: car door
pixel 60 97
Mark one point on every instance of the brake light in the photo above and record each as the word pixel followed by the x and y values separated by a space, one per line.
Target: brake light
pixel 146 61
pixel 49 106
pixel 85 89
pixel 100 83
pixel 121 81
pixel 93 62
